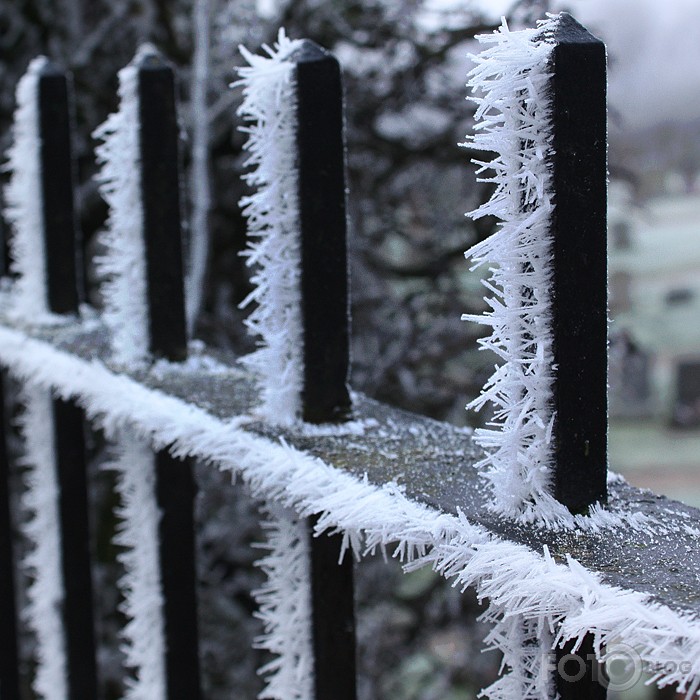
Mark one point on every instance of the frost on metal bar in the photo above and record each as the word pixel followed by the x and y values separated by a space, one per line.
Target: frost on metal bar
pixel 546 442
pixel 284 606
pixel 269 103
pixel 24 210
pixel 45 596
pixel 510 79
pixel 145 314
pixel 297 231
pixel 143 634
pixel 122 264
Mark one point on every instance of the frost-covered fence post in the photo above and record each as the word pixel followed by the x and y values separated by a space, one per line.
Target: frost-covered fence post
pixel 325 323
pixel 297 231
pixel 71 469
pixel 64 292
pixel 541 96
pixel 579 281
pixel 45 251
pixel 174 480
pixel 145 312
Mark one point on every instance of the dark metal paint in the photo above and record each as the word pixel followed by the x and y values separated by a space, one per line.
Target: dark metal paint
pixel 324 269
pixel 61 234
pixel 579 178
pixel 333 618
pixel 160 191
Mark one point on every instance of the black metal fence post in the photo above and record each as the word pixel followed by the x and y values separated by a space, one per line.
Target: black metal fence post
pixel 61 233
pixel 325 321
pixel 62 246
pixel 175 486
pixel 579 676
pixel 579 174
pixel 324 268
pixel 579 177
pixel 9 657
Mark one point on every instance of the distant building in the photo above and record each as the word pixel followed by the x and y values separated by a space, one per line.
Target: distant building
pixel 654 291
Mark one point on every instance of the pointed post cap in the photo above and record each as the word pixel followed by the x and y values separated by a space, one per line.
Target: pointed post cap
pixel 567 30
pixel 309 52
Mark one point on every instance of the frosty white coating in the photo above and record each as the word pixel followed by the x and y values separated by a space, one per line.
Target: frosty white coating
pixel 269 103
pixel 143 635
pixel 122 265
pixel 513 120
pixel 516 580
pixel 42 530
pixel 284 606
pixel 24 199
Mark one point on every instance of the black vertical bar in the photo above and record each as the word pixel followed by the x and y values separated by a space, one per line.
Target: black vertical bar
pixel 160 191
pixel 325 321
pixel 9 658
pixel 175 487
pixel 579 174
pixel 578 675
pixel 78 605
pixel 175 493
pixel 61 240
pixel 333 619
pixel 4 252
pixel 324 270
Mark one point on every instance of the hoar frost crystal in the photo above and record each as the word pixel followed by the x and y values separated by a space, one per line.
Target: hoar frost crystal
pixel 269 102
pixel 24 197
pixel 510 80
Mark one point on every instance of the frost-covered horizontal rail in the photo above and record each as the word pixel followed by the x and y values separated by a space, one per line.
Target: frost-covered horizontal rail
pixel 640 543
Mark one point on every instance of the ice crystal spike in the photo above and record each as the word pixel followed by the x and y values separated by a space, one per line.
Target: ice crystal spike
pixel 510 82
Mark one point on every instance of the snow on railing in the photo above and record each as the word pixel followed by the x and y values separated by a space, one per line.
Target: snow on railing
pixel 565 583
